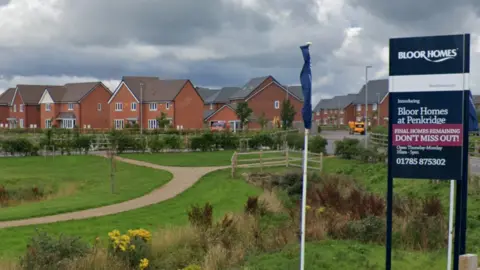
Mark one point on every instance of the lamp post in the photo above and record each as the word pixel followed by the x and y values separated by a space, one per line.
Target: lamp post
pixel 366 104
pixel 141 108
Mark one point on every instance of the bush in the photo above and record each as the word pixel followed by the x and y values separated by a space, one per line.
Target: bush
pixel 318 144
pixel 370 229
pixel 201 217
pixel 82 143
pixel 226 140
pixel 20 146
pixel 173 141
pixel 156 144
pixel 319 129
pixel 347 148
pixel 380 129
pixel 261 140
pixel 48 252
pixel 295 141
pixel 132 248
pixel 204 142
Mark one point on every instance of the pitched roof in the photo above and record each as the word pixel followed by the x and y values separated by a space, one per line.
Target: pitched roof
pixel 295 90
pixel 208 113
pixel 7 96
pixel 223 95
pixel 337 102
pixel 71 92
pixel 66 115
pixel 249 87
pixel 31 94
pixel 154 89
pixel 206 92
pixel 377 89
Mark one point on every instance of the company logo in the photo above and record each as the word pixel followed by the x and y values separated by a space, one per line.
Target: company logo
pixel 435 56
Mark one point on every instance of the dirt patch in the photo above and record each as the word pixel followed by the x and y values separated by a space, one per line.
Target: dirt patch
pixel 16 195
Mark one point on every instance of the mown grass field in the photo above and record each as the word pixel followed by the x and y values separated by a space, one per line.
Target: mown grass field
pixel 77 182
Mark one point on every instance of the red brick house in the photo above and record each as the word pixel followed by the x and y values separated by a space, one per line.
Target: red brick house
pixel 25 107
pixel 178 99
pixel 5 100
pixel 264 95
pixel 334 111
pixel 377 103
pixel 83 105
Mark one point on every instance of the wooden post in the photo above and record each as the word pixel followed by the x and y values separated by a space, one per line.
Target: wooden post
pixel 321 161
pixel 468 262
pixel 234 163
pixel 261 163
pixel 286 156
pixel 45 152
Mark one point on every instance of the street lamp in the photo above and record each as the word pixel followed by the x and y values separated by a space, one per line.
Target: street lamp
pixel 366 105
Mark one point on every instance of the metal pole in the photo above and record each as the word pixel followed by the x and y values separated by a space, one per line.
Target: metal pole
pixel 366 105
pixel 304 201
pixel 450 225
pixel 141 107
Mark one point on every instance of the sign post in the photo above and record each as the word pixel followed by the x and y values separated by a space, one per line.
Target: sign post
pixel 428 119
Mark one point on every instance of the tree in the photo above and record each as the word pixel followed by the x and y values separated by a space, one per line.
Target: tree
pixel 243 113
pixel 162 121
pixel 287 114
pixel 262 120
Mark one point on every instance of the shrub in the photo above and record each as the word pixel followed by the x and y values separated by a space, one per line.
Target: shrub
pixel 20 146
pixel 201 217
pixel 133 248
pixel 319 129
pixel 347 148
pixel 82 143
pixel 295 141
pixel 203 142
pixel 318 145
pixel 370 229
pixel 193 267
pixel 172 141
pixel 156 144
pixel 48 252
pixel 227 140
pixel 261 140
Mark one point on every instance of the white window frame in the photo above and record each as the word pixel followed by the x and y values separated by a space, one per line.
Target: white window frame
pixel 21 107
pixel 374 106
pixel 70 106
pixel 152 123
pixel 211 106
pixel 118 123
pixel 21 123
pixel 325 111
pixel 14 107
pixel 48 123
pixel 67 123
pixel 359 107
pixel 118 107
pixel 48 107
pixel 318 113
pixel 99 107
pixel 167 105
pixel 153 107
pixel 342 111
pixel 133 107
pixel 276 104
pixel 341 120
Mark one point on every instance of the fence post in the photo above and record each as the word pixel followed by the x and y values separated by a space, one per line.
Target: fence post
pixel 261 163
pixel 321 161
pixel 468 262
pixel 234 163
pixel 286 156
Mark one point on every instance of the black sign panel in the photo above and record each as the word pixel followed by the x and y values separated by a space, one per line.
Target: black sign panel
pixel 427 134
pixel 430 55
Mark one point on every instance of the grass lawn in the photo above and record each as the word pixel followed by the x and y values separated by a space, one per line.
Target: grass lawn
pixel 224 193
pixel 78 182
pixel 345 255
pixel 217 158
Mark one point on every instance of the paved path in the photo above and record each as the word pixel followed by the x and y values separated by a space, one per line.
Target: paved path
pixel 183 178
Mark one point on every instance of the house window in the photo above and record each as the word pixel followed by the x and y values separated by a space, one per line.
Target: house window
pixel 276 104
pixel 67 123
pixel 133 106
pixel 21 107
pixel 153 106
pixel 119 107
pixel 48 123
pixel 21 123
pixel 152 123
pixel 118 123
pixel 99 107
pixel 359 107
pixel 325 111
pixel 14 107
pixel 318 113
pixel 374 106
pixel 324 121
pixel 341 111
pixel 48 107
pixel 70 106
pixel 167 105
pixel 341 121
pixel 211 106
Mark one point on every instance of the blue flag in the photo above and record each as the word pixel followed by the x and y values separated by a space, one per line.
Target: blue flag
pixel 306 81
pixel 472 118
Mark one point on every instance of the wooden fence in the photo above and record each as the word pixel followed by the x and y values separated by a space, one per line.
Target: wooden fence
pixel 287 158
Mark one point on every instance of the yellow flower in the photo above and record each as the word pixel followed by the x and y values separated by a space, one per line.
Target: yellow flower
pixel 142 233
pixel 143 263
pixel 113 234
pixel 308 207
pixel 320 210
pixel 132 247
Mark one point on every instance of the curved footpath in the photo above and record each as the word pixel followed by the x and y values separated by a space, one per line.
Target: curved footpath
pixel 183 178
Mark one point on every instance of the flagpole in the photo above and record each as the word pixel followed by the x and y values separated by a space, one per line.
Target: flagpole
pixel 304 200
pixel 306 81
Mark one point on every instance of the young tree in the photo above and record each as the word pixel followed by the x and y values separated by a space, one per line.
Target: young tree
pixel 287 114
pixel 243 113
pixel 262 120
pixel 162 121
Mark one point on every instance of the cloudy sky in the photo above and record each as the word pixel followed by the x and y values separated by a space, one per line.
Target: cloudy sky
pixel 217 42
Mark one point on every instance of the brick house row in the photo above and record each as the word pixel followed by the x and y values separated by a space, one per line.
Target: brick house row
pixel 142 101
pixel 339 110
pixel 45 106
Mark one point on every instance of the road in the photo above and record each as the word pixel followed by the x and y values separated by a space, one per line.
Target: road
pixel 337 135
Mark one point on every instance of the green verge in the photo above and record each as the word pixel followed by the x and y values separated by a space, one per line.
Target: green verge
pixel 82 182
pixel 224 193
